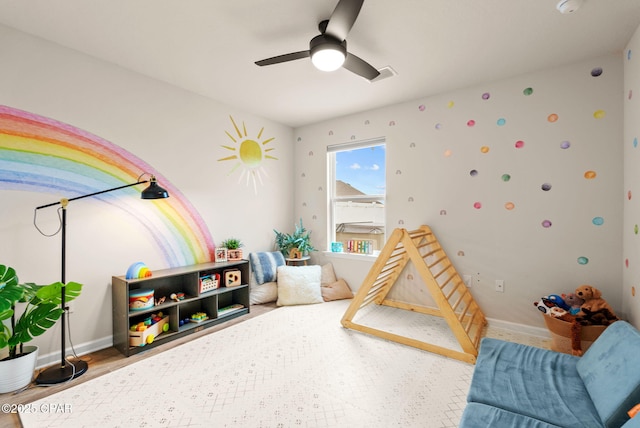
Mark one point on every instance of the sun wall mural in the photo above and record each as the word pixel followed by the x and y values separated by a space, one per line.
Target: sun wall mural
pixel 249 155
pixel 38 154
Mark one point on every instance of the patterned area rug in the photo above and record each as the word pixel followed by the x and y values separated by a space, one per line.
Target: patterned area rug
pixel 295 366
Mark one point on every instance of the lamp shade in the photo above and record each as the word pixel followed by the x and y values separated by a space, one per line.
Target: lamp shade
pixel 154 191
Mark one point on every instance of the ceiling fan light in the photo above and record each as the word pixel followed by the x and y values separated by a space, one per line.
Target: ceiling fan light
pixel 328 59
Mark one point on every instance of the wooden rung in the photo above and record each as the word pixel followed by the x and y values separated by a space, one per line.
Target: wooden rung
pixel 437 261
pixel 470 322
pixel 446 268
pixel 418 233
pixel 460 300
pixel 444 284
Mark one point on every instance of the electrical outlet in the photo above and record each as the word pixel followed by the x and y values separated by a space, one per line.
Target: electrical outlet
pixel 500 285
pixel 468 280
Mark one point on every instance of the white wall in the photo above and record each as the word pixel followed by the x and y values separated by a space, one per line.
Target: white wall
pixel 431 150
pixel 179 133
pixel 631 191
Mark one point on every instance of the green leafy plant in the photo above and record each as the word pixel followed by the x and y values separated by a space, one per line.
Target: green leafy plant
pixel 232 244
pixel 41 309
pixel 300 239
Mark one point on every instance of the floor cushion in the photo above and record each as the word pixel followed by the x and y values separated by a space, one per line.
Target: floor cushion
pixel 336 291
pixel 299 285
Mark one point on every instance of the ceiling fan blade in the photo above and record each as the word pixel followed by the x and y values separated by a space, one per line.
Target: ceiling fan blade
pixel 283 58
pixel 343 18
pixel 360 67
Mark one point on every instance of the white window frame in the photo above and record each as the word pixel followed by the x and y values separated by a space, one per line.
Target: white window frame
pixel 331 185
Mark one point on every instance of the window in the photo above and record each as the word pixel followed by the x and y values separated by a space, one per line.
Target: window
pixel 357 188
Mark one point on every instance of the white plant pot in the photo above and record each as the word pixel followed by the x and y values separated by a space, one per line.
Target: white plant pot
pixel 18 373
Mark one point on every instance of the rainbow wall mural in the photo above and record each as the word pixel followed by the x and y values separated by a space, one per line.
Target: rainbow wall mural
pixel 38 154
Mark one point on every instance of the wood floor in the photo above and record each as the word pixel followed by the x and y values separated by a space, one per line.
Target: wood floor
pixel 106 361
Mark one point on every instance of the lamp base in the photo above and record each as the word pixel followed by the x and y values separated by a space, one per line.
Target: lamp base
pixel 60 374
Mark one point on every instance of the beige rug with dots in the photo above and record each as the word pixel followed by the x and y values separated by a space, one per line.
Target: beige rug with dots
pixel 292 367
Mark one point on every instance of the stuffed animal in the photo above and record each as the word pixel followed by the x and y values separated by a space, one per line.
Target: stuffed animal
pixel 551 301
pixel 593 301
pixel 574 302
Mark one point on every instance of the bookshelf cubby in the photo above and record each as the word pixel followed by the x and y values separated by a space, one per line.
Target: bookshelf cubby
pixel 220 304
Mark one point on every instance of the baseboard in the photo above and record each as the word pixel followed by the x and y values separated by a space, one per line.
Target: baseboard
pixel 519 328
pixel 82 349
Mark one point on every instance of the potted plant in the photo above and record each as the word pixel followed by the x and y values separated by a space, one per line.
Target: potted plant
pixel 300 240
pixel 41 311
pixel 233 246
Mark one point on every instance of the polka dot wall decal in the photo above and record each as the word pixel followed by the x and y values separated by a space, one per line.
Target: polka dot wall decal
pixel 314 217
pixel 527 91
pixel 450 104
pixel 484 149
pixel 353 137
pixel 330 132
pixel 546 224
pixel 633 291
pixel 299 139
pixel 565 145
pixel 552 118
pixel 400 221
pixel 304 204
pixel 461 253
pixel 477 205
pixel 320 188
pixel 630 94
pixel 409 276
pixel 470 123
pixel 392 123
pixel 635 229
pixel 635 142
pixel 546 187
pixel 412 145
pixel 599 114
pixel 473 172
pixel 303 175
pixel 366 122
pixel 311 153
pixel 590 175
pixel 398 172
pixel 509 206
pixel 486 96
pixel 421 107
pixel 583 260
pixel 410 199
pixel 505 177
pixel 629 54
pixel 519 144
pixel 626 263
pixel 598 221
pixel 443 212
pixel 438 126
pixel 596 72
pixel 501 122
pixel 629 194
pixel 447 153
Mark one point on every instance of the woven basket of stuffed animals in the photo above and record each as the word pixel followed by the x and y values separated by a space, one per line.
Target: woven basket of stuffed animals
pixel 561 334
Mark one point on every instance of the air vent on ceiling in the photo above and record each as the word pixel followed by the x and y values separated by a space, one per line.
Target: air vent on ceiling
pixel 385 73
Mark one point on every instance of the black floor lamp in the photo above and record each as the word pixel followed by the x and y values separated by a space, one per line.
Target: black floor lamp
pixel 67 371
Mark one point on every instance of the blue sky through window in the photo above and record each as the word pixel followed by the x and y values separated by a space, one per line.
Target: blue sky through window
pixel 363 169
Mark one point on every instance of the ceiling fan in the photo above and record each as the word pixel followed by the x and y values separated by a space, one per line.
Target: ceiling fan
pixel 328 50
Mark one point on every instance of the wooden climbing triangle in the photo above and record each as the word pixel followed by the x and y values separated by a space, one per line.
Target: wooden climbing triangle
pixel 453 299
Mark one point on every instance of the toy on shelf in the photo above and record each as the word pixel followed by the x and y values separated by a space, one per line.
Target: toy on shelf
pixel 146 331
pixel 198 317
pixel 209 282
pixel 574 302
pixel 176 297
pixel 138 270
pixel 595 304
pixel 140 300
pixel 228 310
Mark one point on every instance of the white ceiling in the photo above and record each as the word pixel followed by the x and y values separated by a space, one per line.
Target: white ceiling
pixel 209 46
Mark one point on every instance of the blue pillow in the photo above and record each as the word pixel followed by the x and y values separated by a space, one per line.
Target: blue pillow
pixel 265 265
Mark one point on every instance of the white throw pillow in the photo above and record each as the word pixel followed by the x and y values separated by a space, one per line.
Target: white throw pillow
pixel 299 285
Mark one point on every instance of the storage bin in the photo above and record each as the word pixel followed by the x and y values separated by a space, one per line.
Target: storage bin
pixel 561 334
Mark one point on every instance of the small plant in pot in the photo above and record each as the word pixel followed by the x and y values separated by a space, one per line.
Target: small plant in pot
pixel 41 311
pixel 300 240
pixel 233 246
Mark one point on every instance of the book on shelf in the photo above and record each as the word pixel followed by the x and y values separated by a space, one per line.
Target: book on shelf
pixel 227 310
